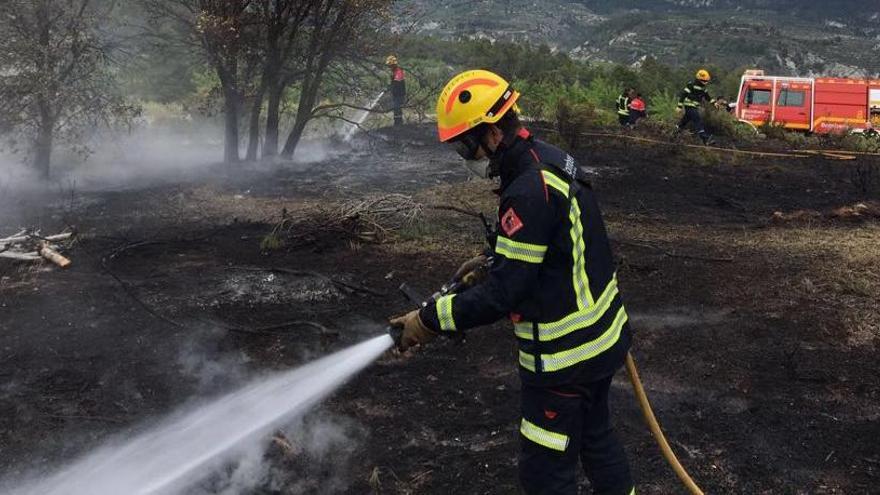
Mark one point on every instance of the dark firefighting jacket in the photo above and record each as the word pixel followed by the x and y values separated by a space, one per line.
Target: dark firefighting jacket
pixel 553 273
pixel 398 83
pixel 694 94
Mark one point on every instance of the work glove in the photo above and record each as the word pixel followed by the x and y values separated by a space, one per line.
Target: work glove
pixel 414 331
pixel 472 271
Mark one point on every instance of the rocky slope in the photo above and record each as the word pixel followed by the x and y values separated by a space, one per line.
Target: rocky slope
pixel 840 37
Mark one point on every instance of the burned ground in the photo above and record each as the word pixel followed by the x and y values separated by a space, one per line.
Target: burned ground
pixel 753 297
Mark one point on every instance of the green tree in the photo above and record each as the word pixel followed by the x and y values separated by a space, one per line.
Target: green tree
pixel 56 75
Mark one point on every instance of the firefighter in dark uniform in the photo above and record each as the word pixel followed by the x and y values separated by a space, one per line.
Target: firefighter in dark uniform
pixel 397 88
pixel 623 102
pixel 691 100
pixel 553 275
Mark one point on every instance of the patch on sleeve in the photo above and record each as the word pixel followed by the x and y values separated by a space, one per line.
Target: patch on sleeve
pixel 510 222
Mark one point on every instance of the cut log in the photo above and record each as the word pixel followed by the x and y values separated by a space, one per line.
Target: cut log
pixel 50 254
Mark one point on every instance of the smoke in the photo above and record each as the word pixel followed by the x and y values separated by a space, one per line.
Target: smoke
pixel 313 454
pixel 212 370
pixel 155 150
pixel 329 445
pixel 170 457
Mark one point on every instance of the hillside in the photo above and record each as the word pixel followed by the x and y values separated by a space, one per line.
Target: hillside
pixel 788 37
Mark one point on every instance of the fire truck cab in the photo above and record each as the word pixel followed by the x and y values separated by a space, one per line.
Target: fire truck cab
pixel 821 105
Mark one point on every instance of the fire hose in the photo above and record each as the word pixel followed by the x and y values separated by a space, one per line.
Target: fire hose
pixel 639 390
pixel 652 423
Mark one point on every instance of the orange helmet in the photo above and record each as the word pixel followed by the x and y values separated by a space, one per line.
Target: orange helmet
pixel 472 98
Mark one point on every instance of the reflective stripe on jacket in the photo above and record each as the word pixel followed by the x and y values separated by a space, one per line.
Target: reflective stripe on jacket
pixel 623 104
pixel 553 273
pixel 693 95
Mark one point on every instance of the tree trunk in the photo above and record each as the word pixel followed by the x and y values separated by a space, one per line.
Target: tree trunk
pixel 232 105
pixel 254 131
pixel 43 149
pixel 303 112
pixel 44 138
pixel 294 137
pixel 273 119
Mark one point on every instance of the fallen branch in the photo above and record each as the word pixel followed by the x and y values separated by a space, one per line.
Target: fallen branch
pixel 19 238
pixel 369 219
pixel 25 246
pixel 128 290
pixel 33 256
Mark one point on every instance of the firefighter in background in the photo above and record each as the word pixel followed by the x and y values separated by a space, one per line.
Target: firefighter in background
pixel 637 109
pixel 691 100
pixel 553 276
pixel 623 101
pixel 397 88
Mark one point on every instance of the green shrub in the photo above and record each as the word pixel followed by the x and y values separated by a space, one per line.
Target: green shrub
pixel 773 130
pixel 800 140
pixel 860 143
pixel 602 93
pixel 723 123
pixel 573 119
pixel 662 106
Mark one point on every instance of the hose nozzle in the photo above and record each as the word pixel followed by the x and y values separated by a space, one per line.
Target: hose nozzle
pixel 396 334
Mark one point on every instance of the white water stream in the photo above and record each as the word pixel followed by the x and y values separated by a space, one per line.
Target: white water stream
pixel 170 457
pixel 361 117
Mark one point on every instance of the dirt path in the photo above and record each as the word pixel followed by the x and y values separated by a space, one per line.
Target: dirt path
pixel 756 334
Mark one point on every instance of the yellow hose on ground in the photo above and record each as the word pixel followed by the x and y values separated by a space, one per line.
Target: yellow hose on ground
pixel 655 428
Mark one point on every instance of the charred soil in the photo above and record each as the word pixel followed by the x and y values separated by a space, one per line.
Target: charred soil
pixel 752 282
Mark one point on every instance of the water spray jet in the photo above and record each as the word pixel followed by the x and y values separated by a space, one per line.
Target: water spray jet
pixel 171 457
pixel 362 116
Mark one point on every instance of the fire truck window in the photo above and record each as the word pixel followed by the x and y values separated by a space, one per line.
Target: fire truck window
pixel 789 98
pixel 758 97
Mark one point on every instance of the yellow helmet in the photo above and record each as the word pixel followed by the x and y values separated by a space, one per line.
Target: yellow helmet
pixel 391 60
pixel 703 75
pixel 472 98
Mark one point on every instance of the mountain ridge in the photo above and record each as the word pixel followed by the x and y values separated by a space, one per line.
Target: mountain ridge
pixel 787 37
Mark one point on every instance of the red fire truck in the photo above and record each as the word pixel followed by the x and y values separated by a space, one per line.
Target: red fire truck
pixel 820 105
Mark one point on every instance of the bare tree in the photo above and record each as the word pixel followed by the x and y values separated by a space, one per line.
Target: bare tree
pixel 337 28
pixel 261 48
pixel 281 23
pixel 223 30
pixel 55 73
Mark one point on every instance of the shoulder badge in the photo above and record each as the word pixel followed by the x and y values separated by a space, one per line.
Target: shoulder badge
pixel 510 222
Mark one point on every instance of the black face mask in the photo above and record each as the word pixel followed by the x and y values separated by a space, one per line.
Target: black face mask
pixel 469 144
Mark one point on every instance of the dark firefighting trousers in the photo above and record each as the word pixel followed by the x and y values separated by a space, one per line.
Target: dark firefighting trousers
pixel 580 414
pixel 397 101
pixel 692 116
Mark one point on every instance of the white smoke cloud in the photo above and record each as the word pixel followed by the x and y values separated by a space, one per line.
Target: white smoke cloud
pixel 181 450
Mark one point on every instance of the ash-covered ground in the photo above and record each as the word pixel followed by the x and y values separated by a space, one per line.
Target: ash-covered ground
pixel 751 282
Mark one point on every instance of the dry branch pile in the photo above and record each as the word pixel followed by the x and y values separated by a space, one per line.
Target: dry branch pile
pixel 368 219
pixel 31 246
